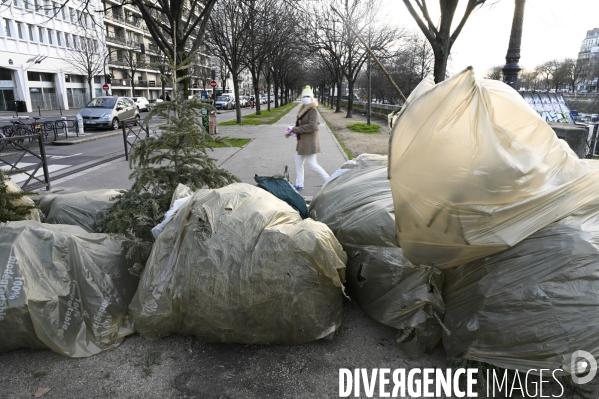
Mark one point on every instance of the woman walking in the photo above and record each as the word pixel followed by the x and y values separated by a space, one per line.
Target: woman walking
pixel 308 142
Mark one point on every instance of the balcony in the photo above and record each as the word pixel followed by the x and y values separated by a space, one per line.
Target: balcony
pixel 116 38
pixel 121 83
pixel 153 48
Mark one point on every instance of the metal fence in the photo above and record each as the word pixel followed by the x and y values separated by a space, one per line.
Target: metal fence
pixel 21 143
pixel 131 135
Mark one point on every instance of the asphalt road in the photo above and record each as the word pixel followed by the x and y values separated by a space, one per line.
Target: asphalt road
pixel 64 159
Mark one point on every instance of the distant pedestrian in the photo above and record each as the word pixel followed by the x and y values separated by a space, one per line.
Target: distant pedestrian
pixel 168 98
pixel 308 141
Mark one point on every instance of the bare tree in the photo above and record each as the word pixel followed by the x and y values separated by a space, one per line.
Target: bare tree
pixel 88 58
pixel 440 35
pixel 132 61
pixel 495 73
pixel 228 39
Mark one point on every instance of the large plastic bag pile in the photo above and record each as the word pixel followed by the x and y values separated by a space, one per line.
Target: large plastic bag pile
pixel 474 170
pixel 237 264
pixel 358 207
pixel 62 288
pixel 79 209
pixel 531 306
pixel 484 191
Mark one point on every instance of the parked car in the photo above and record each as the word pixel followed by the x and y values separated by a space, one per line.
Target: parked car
pixel 244 101
pixel 108 112
pixel 223 102
pixel 263 100
pixel 142 103
pixel 155 100
pixel 231 98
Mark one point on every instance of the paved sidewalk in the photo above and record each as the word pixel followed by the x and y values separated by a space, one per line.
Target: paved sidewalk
pixel 266 155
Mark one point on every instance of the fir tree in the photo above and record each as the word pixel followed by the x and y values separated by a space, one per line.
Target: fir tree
pixel 179 154
pixel 12 204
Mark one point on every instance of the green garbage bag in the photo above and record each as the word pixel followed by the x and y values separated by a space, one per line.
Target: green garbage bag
pixel 79 209
pixel 533 305
pixel 358 207
pixel 62 288
pixel 237 264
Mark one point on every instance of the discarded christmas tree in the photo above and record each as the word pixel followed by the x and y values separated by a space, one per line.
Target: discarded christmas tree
pixel 179 154
pixel 13 204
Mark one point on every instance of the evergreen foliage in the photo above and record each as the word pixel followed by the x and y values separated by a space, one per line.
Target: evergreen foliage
pixel 179 154
pixel 12 206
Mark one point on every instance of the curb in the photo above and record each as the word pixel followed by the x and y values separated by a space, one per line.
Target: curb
pixel 334 137
pixel 87 139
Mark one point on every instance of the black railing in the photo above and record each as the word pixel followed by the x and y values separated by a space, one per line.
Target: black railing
pixel 23 143
pixel 128 129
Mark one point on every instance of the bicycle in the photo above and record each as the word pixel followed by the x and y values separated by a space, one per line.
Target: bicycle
pixel 17 129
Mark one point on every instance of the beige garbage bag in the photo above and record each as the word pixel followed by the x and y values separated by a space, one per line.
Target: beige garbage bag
pixel 34 214
pixel 475 170
pixel 237 264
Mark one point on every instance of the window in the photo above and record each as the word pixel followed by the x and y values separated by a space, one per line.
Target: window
pixel 50 37
pixel 95 46
pixel 79 20
pixel 73 16
pixel 40 31
pixel 65 16
pixel 20 30
pixel 66 40
pixel 7 28
pixel 26 4
pixel 58 34
pixel 38 6
pixel 31 37
pixel 5 74
pixel 75 42
pixel 55 9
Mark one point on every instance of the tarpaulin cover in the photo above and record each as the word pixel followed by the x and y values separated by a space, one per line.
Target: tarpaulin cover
pixel 79 209
pixel 358 207
pixel 62 288
pixel 531 306
pixel 237 264
pixel 474 170
pixel 12 187
pixel 283 190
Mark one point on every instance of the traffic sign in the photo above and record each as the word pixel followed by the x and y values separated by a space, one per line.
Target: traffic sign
pixel 105 87
pixel 213 83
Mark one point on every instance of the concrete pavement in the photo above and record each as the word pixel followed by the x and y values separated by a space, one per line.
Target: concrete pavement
pixel 266 154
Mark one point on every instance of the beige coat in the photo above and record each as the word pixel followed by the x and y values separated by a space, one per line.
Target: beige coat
pixel 306 128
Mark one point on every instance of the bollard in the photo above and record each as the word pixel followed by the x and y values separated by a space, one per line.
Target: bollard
pixel 60 108
pixel 80 125
pixel 39 111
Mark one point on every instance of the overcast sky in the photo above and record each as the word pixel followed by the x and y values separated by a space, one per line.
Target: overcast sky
pixel 553 29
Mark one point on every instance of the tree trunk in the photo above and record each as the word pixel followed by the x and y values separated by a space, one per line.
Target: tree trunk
pixel 338 106
pixel 89 83
pixel 236 94
pixel 163 80
pixel 350 98
pixel 441 57
pixel 256 83
pixel 268 95
pixel 276 83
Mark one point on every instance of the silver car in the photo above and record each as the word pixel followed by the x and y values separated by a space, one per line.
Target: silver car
pixel 108 112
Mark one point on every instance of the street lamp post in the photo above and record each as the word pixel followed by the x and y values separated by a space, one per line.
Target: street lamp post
pixel 511 68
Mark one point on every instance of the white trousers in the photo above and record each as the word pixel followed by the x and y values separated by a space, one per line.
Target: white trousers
pixel 312 163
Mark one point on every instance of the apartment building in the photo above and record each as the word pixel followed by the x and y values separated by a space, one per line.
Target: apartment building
pixel 37 39
pixel 589 52
pixel 134 60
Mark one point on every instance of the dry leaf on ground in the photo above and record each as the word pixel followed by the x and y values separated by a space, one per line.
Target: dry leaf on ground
pixel 41 391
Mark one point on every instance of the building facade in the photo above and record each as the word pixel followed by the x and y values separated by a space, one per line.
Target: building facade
pixel 36 42
pixel 589 55
pixel 135 64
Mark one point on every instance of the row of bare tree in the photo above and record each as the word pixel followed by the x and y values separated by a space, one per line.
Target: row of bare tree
pixel 555 74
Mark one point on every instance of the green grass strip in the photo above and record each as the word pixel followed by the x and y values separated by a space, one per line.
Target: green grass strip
pixel 233 142
pixel 364 128
pixel 265 117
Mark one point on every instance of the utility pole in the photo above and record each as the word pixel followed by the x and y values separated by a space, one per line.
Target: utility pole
pixel 512 68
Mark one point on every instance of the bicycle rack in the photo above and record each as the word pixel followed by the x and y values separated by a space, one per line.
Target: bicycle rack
pixel 43 163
